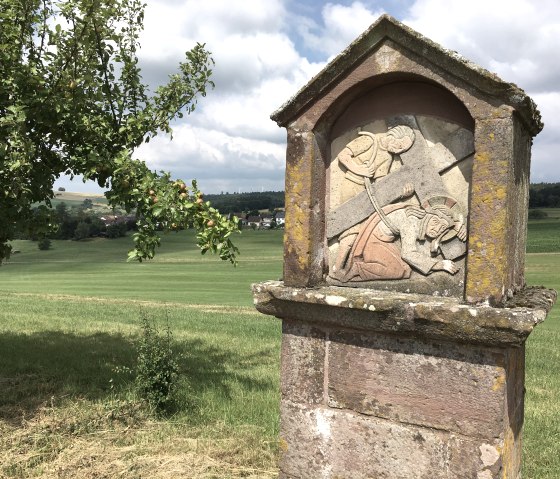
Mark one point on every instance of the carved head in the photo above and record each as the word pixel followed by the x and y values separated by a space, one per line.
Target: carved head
pixel 398 139
pixel 439 219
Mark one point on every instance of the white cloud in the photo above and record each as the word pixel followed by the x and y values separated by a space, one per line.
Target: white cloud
pixel 263 51
pixel 545 165
pixel 517 39
pixel 340 26
pixel 217 158
pixel 244 61
pixel 230 137
pixel 171 25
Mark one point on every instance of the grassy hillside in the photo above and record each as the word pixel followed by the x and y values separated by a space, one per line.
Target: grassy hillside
pixel 76 199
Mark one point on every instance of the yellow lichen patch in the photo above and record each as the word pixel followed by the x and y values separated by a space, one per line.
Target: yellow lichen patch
pixel 297 211
pixel 482 157
pixel 488 264
pixel 499 382
pixel 510 453
pixel 299 235
pixel 283 444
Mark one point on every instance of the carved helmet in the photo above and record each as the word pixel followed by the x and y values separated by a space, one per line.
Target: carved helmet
pixel 398 139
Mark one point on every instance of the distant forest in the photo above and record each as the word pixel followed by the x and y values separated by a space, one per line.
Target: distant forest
pixel 544 195
pixel 541 195
pixel 247 202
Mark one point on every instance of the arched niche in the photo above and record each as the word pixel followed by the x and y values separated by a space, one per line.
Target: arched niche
pixel 404 96
pixel 443 131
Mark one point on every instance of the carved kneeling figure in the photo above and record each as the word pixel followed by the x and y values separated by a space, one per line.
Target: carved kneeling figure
pixel 376 256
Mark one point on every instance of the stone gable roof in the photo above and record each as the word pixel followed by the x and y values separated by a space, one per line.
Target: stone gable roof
pixel 387 28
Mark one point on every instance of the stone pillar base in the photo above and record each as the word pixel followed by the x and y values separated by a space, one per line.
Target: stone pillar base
pixel 393 385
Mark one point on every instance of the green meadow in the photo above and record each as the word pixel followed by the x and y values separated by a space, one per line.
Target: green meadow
pixel 69 323
pixel 544 234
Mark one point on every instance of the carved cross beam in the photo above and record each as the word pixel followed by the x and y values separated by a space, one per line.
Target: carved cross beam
pixel 418 167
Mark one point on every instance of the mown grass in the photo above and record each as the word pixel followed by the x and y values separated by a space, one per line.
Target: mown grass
pixel 68 322
pixel 541 435
pixel 179 273
pixel 74 348
pixel 70 316
pixel 544 234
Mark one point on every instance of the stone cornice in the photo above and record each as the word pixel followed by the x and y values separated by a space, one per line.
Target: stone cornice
pixel 406 314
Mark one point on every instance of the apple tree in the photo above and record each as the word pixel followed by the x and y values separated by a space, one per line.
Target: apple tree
pixel 72 102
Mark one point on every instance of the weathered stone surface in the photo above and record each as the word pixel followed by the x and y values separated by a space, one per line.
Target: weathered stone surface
pixel 318 442
pixel 457 388
pixel 302 362
pixel 379 399
pixel 488 262
pixel 515 396
pixel 411 315
pixel 305 197
pixel 438 283
pixel 534 297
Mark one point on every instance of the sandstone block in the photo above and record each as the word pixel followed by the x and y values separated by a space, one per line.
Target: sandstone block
pixel 444 386
pixel 303 359
pixel 319 442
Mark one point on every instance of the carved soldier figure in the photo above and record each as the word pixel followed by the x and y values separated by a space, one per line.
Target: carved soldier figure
pixel 371 156
pixel 365 157
pixel 376 256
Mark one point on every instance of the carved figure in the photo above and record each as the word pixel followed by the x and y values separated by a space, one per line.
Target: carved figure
pixel 365 157
pixel 371 156
pixel 375 255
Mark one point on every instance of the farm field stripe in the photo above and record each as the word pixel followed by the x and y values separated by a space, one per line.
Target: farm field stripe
pixel 210 308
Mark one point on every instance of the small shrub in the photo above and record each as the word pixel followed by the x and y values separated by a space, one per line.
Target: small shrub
pixel 82 231
pixel 44 244
pixel 157 369
pixel 116 230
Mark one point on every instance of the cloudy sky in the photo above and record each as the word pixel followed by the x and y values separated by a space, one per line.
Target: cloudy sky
pixel 265 50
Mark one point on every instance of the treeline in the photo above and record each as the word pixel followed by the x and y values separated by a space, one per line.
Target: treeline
pixel 541 195
pixel 238 202
pixel 544 195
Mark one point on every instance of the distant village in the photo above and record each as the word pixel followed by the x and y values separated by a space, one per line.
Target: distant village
pixel 80 216
pixel 261 220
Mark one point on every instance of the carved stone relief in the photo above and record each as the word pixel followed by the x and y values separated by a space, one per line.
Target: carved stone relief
pixel 398 203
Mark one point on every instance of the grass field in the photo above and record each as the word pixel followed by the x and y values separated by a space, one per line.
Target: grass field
pixel 69 320
pixel 542 413
pixel 97 267
pixel 75 199
pixel 544 235
pixel 542 427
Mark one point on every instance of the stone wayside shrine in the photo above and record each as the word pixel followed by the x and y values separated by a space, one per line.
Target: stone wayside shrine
pixel 403 303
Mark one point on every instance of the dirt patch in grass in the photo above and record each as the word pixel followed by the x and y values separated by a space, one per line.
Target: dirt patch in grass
pixel 119 439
